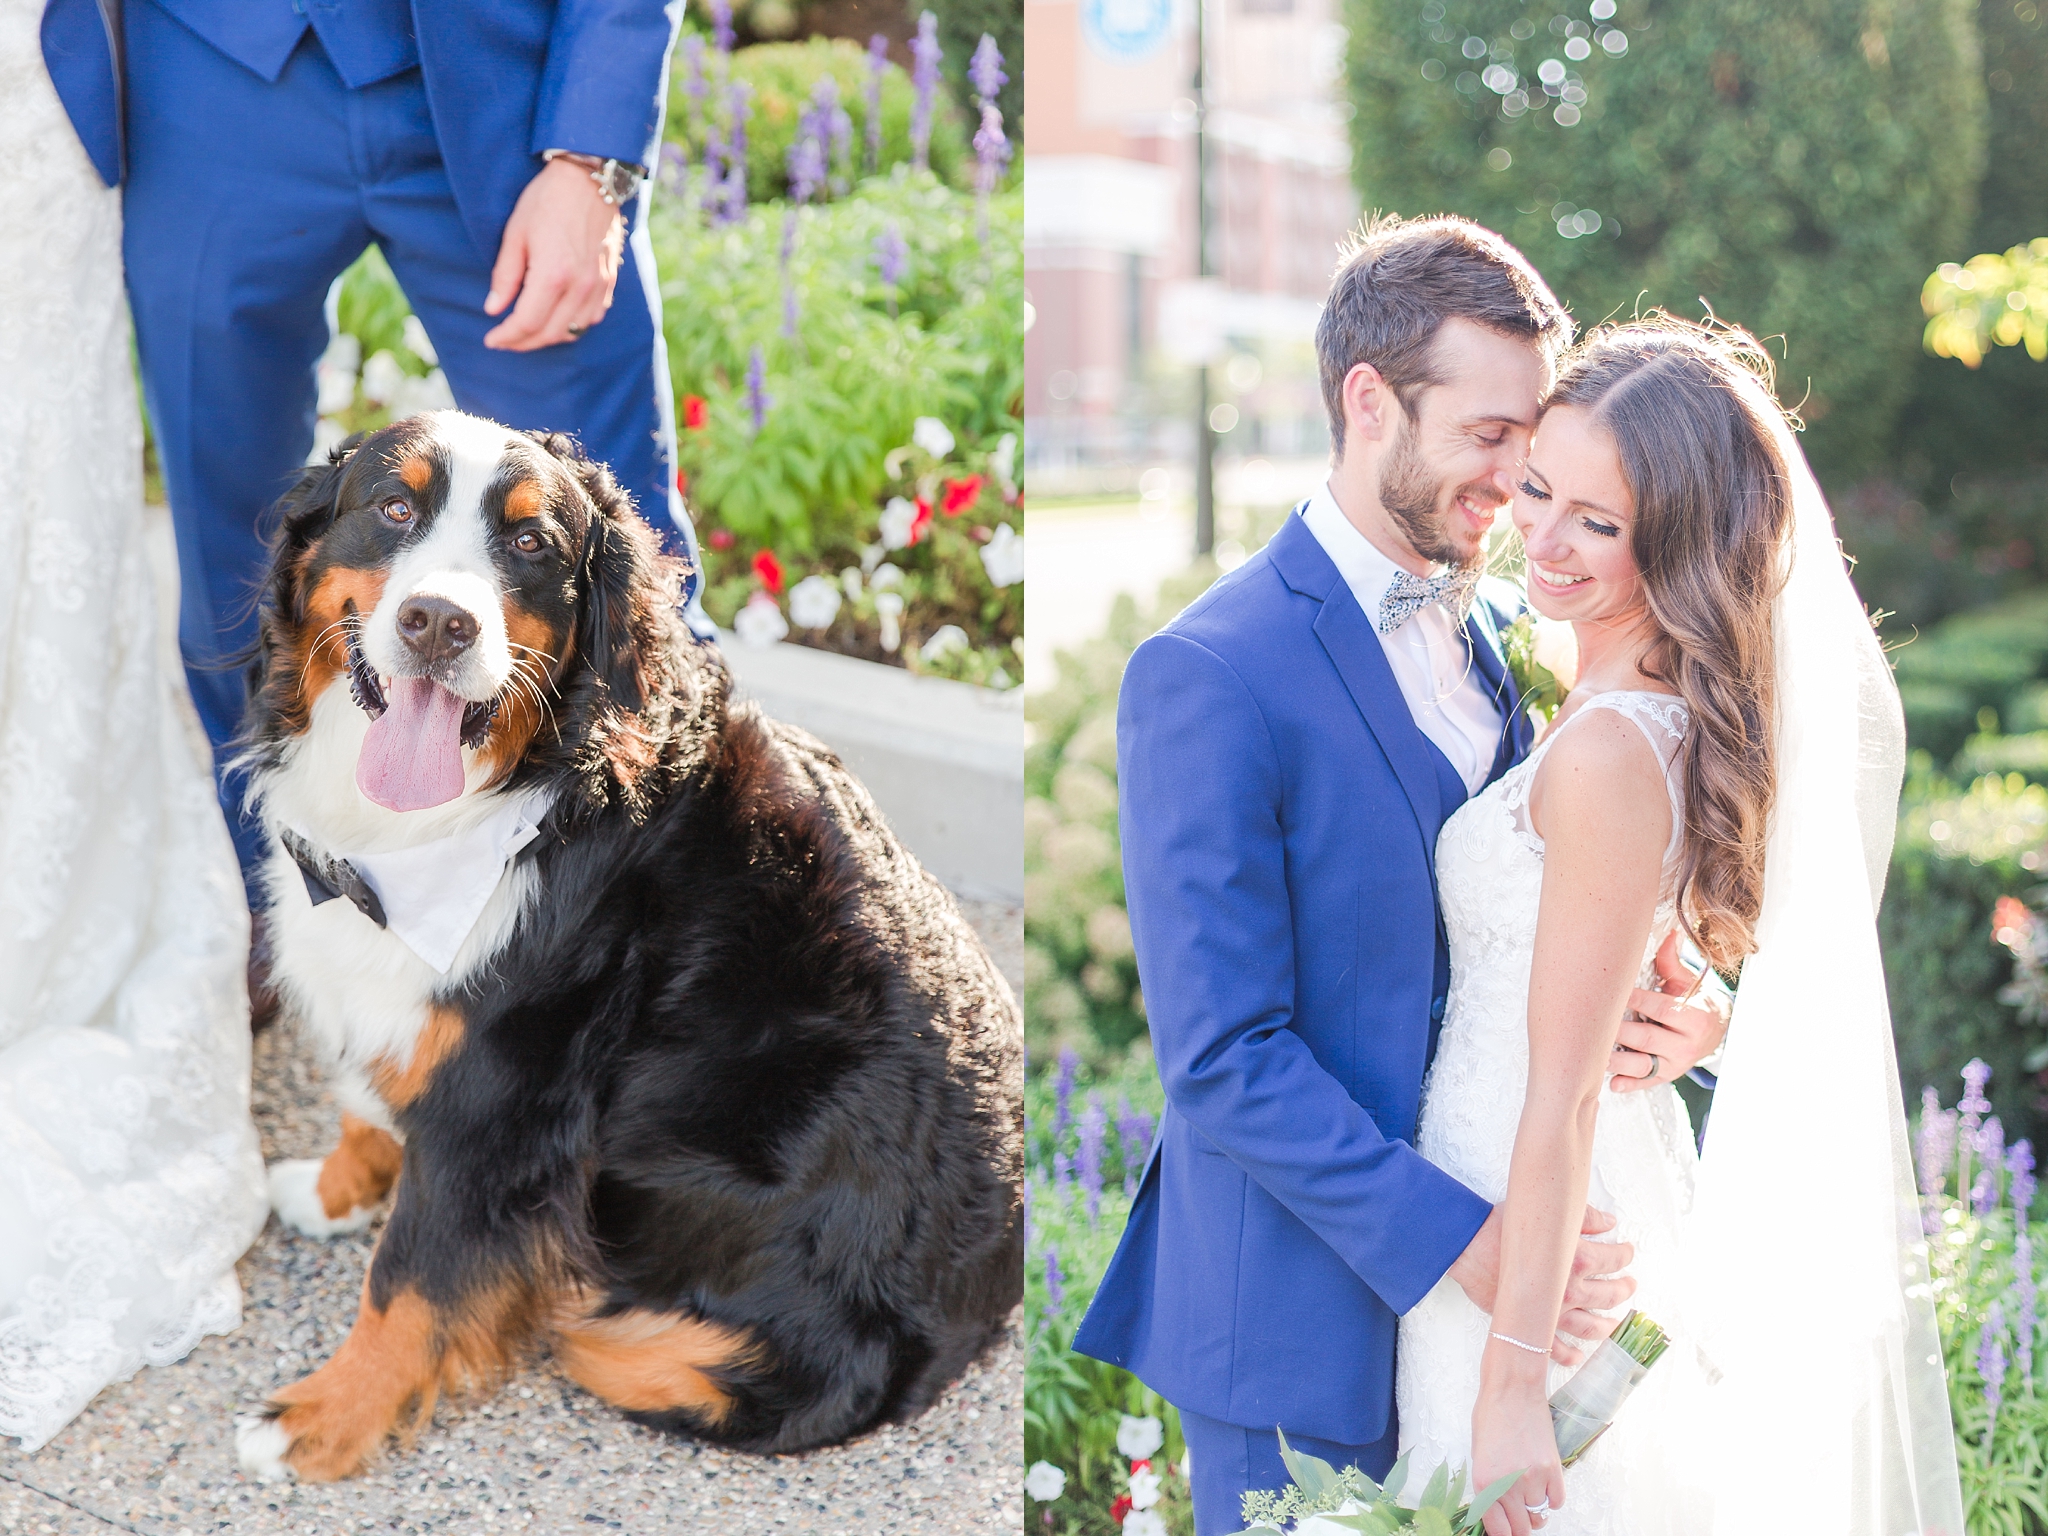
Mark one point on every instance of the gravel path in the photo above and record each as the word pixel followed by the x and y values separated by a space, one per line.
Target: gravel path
pixel 155 1454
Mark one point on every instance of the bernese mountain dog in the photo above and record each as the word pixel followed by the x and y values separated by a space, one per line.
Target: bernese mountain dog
pixel 677 1062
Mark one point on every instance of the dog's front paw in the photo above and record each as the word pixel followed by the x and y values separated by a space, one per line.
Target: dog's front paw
pixel 260 1447
pixel 295 1196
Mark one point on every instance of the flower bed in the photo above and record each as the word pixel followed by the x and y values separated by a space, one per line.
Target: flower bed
pixel 1103 1450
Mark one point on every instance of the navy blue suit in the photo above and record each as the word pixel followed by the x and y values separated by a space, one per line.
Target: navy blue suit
pixel 264 144
pixel 1279 811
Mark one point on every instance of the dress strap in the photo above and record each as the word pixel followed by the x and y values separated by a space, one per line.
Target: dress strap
pixel 1662 718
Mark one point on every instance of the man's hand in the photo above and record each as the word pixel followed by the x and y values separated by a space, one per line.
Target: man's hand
pixel 1677 1034
pixel 560 255
pixel 1597 1282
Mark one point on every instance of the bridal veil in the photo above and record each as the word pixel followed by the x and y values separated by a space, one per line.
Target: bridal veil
pixel 1831 1414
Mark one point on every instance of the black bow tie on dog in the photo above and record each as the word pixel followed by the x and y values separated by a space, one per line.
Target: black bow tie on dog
pixel 327 878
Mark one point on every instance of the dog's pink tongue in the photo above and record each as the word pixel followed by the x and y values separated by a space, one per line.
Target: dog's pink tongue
pixel 412 758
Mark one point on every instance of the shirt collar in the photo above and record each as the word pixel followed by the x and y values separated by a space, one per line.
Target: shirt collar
pixel 1366 571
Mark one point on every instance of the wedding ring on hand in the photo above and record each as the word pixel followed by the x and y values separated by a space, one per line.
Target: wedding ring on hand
pixel 577 330
pixel 1539 1509
pixel 1656 1066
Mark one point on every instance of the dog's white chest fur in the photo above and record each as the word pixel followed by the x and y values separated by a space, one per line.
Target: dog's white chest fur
pixel 361 989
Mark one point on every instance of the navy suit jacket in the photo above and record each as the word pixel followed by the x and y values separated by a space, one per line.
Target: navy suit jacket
pixel 1280 810
pixel 506 78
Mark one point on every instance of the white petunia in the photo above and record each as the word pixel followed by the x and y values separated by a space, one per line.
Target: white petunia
pixel 1045 1482
pixel 1003 557
pixel 1144 1522
pixel 1136 1438
pixel 897 520
pixel 429 394
pixel 1144 1489
pixel 945 640
pixel 850 579
pixel 327 434
pixel 885 577
pixel 1003 462
pixel 889 609
pixel 417 344
pixel 931 435
pixel 382 378
pixel 814 602
pixel 760 622
pixel 336 373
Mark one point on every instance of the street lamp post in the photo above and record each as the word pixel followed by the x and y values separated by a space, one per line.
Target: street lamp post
pixel 1205 439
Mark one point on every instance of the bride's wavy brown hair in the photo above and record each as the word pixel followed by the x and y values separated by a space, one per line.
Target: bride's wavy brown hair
pixel 1713 508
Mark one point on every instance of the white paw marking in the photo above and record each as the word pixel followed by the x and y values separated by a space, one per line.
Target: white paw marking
pixel 295 1196
pixel 260 1446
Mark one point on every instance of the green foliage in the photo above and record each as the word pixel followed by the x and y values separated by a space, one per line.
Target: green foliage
pixel 1986 659
pixel 1989 300
pixel 783 76
pixel 1073 1405
pixel 1957 852
pixel 1799 164
pixel 961 24
pixel 1973 1262
pixel 1321 1490
pixel 1964 540
pixel 847 389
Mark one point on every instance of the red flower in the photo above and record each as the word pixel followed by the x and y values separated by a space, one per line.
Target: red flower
pixel 1120 1508
pixel 962 494
pixel 2010 920
pixel 769 569
pixel 721 538
pixel 1140 1466
pixel 922 523
pixel 682 483
pixel 696 414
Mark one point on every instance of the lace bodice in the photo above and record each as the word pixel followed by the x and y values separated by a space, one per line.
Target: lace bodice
pixel 1489 862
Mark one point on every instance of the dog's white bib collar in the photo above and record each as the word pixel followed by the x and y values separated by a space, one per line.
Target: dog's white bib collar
pixel 432 894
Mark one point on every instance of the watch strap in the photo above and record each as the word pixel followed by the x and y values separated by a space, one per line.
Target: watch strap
pixel 617 180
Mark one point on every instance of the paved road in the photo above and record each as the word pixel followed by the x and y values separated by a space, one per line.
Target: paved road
pixel 155 1455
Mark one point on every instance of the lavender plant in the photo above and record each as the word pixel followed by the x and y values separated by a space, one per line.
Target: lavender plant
pixel 991 149
pixel 721 25
pixel 1977 1204
pixel 878 69
pixel 924 75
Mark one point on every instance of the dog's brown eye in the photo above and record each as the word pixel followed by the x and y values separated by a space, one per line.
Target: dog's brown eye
pixel 528 541
pixel 397 510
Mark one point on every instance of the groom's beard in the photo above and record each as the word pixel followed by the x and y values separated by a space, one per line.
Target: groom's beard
pixel 1413 495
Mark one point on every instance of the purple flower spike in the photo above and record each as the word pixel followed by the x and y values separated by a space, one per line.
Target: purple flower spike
pixel 991 154
pixel 806 168
pixel 985 69
pixel 2019 1162
pixel 1030 1231
pixel 1094 1124
pixel 1055 1289
pixel 1975 1076
pixel 2024 1303
pixel 694 83
pixel 722 34
pixel 789 309
pixel 926 53
pixel 1991 1365
pixel 758 400
pixel 1937 1142
pixel 673 168
pixel 878 66
pixel 890 257
pixel 1063 1092
pixel 1062 1170
pixel 1134 1131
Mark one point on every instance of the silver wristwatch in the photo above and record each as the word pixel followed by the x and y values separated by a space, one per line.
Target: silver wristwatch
pixel 618 181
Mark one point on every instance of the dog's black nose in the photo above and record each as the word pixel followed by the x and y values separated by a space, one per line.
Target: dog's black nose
pixel 435 628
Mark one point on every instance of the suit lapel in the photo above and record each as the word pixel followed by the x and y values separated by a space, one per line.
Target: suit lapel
pixel 1482 634
pixel 1355 650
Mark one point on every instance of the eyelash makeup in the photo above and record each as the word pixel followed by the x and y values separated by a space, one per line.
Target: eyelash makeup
pixel 1605 530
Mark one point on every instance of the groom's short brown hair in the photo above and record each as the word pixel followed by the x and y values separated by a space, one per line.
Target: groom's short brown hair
pixel 1398 280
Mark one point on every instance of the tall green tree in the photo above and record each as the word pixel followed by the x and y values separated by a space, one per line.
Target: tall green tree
pixel 1798 165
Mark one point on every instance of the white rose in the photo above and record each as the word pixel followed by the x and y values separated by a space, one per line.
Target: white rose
pixel 897 518
pixel 1137 1439
pixel 1045 1482
pixel 1144 1522
pixel 947 639
pixel 760 622
pixel 1003 557
pixel 1557 651
pixel 931 435
pixel 1144 1489
pixel 814 602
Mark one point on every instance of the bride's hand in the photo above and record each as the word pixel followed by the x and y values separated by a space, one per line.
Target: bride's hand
pixel 1511 1429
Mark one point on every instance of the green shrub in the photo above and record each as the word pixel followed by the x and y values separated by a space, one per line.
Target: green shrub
pixel 1967 540
pixel 1957 853
pixel 1977 668
pixel 1800 164
pixel 783 76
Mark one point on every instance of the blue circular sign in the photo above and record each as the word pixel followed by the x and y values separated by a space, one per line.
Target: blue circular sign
pixel 1127 29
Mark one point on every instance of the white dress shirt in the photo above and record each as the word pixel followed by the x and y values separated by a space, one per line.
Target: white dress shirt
pixel 1446 692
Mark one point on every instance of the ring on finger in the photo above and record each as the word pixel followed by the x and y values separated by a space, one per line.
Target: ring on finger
pixel 578 330
pixel 1538 1509
pixel 1656 1066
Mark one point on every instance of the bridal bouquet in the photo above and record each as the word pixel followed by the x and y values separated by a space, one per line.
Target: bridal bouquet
pixel 1326 1502
pixel 1543 656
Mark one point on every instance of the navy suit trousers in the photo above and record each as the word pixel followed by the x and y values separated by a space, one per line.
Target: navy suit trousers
pixel 245 200
pixel 1226 1462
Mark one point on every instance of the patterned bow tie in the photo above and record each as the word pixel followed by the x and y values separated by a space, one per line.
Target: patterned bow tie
pixel 1408 594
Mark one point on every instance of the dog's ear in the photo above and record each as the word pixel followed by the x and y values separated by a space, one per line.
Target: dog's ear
pixel 297 519
pixel 613 577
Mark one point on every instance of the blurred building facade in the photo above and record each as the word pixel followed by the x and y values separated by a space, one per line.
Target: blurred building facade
pixel 1120 314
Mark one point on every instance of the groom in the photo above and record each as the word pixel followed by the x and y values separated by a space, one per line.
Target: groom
pixel 492 148
pixel 1287 750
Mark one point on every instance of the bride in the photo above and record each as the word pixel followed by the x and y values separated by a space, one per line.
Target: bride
pixel 1728 763
pixel 130 1177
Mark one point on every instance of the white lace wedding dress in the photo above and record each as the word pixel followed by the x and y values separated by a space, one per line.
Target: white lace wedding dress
pixel 1633 1482
pixel 130 1176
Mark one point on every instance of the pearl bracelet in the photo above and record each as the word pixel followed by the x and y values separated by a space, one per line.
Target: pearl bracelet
pixel 1534 1349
